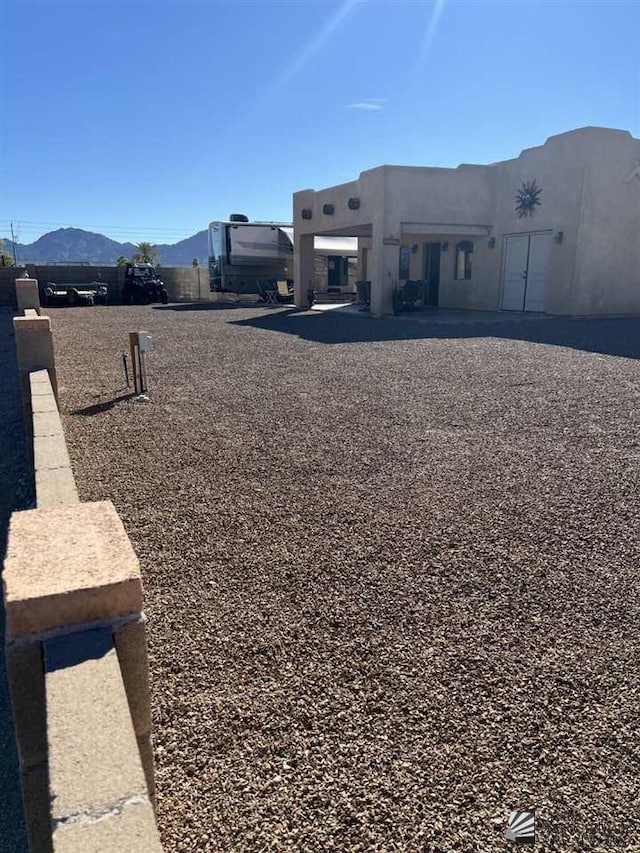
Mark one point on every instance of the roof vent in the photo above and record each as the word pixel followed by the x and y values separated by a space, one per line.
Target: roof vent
pixel 238 217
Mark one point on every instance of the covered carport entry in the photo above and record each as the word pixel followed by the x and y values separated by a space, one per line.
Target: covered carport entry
pixel 336 262
pixel 413 230
pixel 306 248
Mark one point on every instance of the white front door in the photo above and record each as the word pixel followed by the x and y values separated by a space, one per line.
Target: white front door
pixel 538 272
pixel 515 272
pixel 526 272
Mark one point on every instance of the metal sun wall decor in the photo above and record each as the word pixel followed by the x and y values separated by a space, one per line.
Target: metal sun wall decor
pixel 527 198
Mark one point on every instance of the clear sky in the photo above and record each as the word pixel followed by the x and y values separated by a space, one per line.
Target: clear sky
pixel 146 119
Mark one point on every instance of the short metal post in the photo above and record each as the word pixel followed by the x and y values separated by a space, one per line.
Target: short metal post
pixel 134 346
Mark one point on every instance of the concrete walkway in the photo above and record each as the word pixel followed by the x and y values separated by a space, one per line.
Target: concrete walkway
pixel 15 493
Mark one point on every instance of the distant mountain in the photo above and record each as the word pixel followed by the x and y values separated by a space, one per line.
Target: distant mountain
pixel 77 245
pixel 184 251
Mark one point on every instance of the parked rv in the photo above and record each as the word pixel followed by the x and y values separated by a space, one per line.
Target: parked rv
pixel 256 258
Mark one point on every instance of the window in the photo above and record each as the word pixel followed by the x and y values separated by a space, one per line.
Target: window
pixel 405 258
pixel 215 240
pixel 464 252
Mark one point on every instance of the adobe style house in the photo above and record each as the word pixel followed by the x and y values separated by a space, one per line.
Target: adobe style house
pixel 556 230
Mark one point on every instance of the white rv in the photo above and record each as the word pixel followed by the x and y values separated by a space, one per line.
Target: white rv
pixel 249 257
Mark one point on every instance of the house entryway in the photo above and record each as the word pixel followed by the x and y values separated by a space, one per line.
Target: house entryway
pixel 431 273
pixel 526 272
pixel 337 272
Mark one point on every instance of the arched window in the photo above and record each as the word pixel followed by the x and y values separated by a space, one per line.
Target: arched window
pixel 464 252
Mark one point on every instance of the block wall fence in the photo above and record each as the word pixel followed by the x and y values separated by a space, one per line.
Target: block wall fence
pixel 75 642
pixel 184 284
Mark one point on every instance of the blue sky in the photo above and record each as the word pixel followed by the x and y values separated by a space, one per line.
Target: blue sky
pixel 146 119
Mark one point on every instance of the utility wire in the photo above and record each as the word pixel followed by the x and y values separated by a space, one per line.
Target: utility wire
pixel 118 233
pixel 68 224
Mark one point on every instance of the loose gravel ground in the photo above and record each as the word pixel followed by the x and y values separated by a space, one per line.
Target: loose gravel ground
pixel 391 572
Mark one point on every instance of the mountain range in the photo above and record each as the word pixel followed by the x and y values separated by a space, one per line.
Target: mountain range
pixel 75 244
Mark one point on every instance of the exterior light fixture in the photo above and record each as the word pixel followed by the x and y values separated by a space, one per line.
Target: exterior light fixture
pixel 306 213
pixel 414 249
pixel 491 242
pixel 445 246
pixel 327 209
pixel 353 203
pixel 559 237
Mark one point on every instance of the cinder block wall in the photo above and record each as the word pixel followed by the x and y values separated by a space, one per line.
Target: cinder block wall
pixel 75 645
pixel 184 284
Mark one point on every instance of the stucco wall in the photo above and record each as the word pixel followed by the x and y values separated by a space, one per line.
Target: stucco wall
pixel 461 196
pixel 368 188
pixel 607 279
pixel 558 168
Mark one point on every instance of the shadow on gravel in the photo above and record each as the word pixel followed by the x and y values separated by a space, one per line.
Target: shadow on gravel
pixel 97 408
pixel 15 493
pixel 208 306
pixel 613 336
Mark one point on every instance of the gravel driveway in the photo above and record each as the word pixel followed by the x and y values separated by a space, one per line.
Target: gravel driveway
pixel 391 572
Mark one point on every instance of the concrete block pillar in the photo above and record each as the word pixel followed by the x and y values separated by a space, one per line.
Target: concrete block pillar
pixel 27 294
pixel 303 269
pixel 383 267
pixel 68 572
pixel 34 351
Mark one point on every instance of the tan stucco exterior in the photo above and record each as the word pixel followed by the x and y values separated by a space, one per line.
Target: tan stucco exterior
pixel 590 208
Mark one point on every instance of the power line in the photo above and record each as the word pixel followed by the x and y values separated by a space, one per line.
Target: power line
pixel 119 233
pixel 68 224
pixel 119 227
pixel 21 233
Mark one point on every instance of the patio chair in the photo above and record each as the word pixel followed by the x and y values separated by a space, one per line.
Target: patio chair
pixel 410 293
pixel 363 289
pixel 284 294
pixel 268 293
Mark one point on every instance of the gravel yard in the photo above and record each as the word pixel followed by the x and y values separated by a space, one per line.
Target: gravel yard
pixel 391 572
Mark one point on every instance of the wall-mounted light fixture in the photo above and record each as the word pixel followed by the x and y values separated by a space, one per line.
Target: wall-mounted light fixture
pixel 559 237
pixel 414 249
pixel 491 243
pixel 353 203
pixel 306 213
pixel 327 209
pixel 445 246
